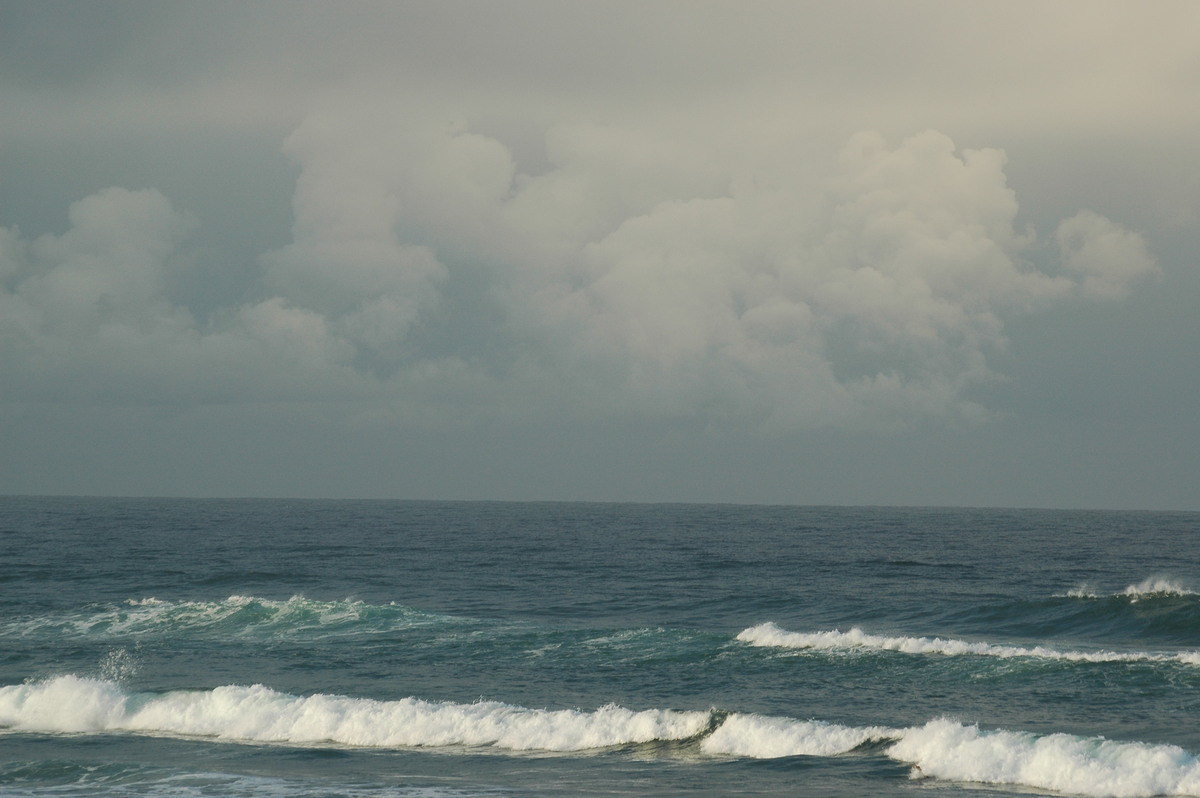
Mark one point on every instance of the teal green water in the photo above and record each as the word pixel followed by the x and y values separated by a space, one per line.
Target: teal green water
pixel 263 648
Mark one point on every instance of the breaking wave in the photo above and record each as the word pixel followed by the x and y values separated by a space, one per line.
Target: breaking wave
pixel 1150 588
pixel 1156 587
pixel 948 750
pixel 770 635
pixel 1065 763
pixel 760 737
pixel 259 714
pixel 940 749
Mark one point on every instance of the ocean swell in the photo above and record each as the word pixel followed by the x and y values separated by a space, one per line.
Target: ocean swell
pixel 770 635
pixel 759 737
pixel 237 616
pixel 1064 763
pixel 1149 588
pixel 259 714
pixel 942 748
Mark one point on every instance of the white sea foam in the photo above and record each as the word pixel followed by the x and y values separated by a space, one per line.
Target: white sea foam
pixel 1065 763
pixel 942 749
pixel 946 749
pixel 237 615
pixel 760 737
pixel 1151 587
pixel 260 714
pixel 1156 586
pixel 770 635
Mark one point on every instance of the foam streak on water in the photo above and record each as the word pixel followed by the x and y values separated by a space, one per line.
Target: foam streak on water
pixel 770 635
pixel 236 615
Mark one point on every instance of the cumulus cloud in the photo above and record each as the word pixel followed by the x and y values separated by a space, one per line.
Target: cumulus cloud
pixel 108 268
pixel 84 316
pixel 346 260
pixel 1105 258
pixel 638 274
pixel 881 310
pixel 90 299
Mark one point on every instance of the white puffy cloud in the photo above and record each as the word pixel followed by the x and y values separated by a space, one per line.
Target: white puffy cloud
pixel 84 316
pixel 640 274
pixel 90 300
pixel 108 268
pixel 882 309
pixel 346 259
pixel 1106 258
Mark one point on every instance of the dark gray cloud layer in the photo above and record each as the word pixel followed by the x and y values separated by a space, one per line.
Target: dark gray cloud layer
pixel 651 252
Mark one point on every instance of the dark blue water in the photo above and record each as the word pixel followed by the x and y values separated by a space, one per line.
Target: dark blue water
pixel 314 648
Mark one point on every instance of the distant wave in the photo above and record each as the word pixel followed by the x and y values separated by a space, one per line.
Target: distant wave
pixel 235 615
pixel 770 635
pixel 253 620
pixel 1151 587
pixel 930 564
pixel 1156 586
pixel 299 618
pixel 941 748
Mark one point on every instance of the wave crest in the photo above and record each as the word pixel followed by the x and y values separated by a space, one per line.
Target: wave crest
pixel 772 636
pixel 760 737
pixel 1065 763
pixel 259 714
pixel 942 748
pixel 1156 587
pixel 236 615
pixel 1150 587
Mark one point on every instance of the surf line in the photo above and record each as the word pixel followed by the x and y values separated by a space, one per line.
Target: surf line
pixel 769 635
pixel 942 748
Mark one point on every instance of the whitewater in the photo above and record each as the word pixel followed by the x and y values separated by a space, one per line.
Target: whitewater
pixel 171 647
pixel 256 714
pixel 769 634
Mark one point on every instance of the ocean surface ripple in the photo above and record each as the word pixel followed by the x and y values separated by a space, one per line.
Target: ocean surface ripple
pixel 258 648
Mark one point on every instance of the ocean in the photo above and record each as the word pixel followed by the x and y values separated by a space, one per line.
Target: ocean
pixel 174 647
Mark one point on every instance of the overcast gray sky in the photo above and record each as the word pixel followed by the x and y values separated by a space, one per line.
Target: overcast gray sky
pixel 925 253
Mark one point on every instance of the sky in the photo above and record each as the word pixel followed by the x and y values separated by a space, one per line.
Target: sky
pixel 859 253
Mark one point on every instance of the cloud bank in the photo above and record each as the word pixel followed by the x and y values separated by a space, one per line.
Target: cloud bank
pixel 637 274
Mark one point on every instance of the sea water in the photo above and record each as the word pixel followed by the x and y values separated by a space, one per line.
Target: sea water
pixel 154 647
